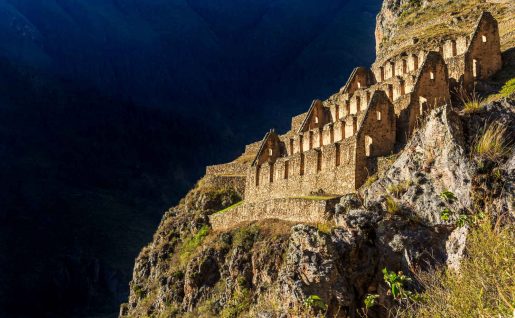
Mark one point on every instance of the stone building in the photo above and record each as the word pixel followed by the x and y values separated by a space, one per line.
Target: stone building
pixel 335 146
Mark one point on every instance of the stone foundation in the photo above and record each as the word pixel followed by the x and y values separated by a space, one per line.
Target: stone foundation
pixel 302 210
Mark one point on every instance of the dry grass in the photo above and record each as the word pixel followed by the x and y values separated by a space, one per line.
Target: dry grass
pixel 398 189
pixel 392 206
pixel 485 284
pixel 493 144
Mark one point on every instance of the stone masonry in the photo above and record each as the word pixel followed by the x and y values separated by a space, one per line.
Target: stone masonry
pixel 335 146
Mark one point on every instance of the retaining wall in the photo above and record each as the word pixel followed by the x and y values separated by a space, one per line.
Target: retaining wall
pixel 288 209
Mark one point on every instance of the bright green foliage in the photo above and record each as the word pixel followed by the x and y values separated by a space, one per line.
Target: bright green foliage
pixel 508 89
pixel 370 300
pixel 230 207
pixel 463 219
pixel 324 228
pixel 191 244
pixel 448 196
pixel 396 282
pixel 315 302
pixel 445 214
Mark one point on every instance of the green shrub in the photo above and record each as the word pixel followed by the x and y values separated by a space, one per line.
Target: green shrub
pixel 448 196
pixel 315 302
pixel 445 215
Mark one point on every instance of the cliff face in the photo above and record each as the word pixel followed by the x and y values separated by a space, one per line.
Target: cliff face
pixel 411 217
pixel 273 268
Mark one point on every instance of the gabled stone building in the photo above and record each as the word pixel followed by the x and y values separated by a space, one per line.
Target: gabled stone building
pixel 335 146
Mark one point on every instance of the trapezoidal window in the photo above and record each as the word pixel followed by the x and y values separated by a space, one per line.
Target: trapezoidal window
pixel 483 38
pixel 415 62
pixel 331 134
pixel 301 143
pixel 258 172
pixel 358 103
pixel 336 113
pixel 422 105
pixel 272 172
pixel 392 65
pixel 337 157
pixel 359 84
pixel 368 97
pixel 378 115
pixel 301 171
pixel 381 73
pixel 270 152
pixel 286 168
pixel 390 91
pixel 404 66
pixel 402 88
pixel 454 49
pixel 291 146
pixel 368 146
pixel 475 68
pixel 431 75
pixel 316 119
pixel 319 161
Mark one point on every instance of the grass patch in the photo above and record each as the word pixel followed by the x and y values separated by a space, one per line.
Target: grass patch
pixel 493 143
pixel 230 207
pixel 485 284
pixel 392 206
pixel 324 228
pixel 508 90
pixel 191 244
pixel 370 180
pixel 246 236
pixel 399 189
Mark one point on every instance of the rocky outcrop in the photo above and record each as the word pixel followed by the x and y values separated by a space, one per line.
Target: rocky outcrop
pixel 279 269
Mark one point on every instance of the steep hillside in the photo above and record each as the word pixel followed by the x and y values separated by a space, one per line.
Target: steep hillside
pixel 111 109
pixel 422 215
pixel 273 268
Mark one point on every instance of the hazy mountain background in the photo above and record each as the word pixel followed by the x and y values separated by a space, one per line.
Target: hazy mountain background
pixel 110 109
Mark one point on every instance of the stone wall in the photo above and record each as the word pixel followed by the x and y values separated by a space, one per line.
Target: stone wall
pixel 221 182
pixel 483 57
pixel 288 209
pixel 231 168
pixel 330 168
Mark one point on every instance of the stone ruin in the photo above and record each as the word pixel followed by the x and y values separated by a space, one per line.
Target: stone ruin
pixel 337 144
